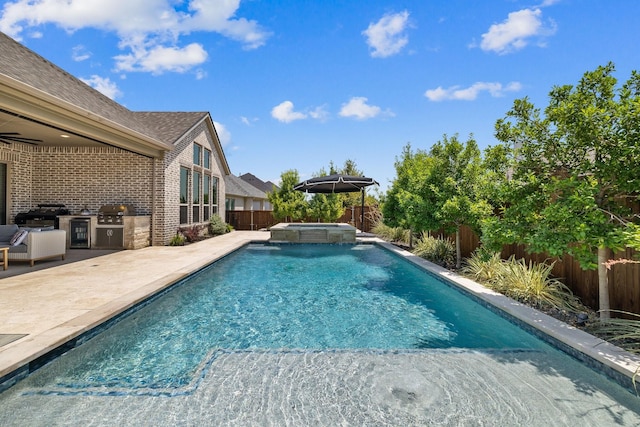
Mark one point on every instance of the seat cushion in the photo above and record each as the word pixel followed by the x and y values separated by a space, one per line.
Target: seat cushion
pixel 7 232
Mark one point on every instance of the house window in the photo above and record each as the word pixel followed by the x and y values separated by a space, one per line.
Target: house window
pixel 197 187
pixel 214 195
pixel 206 199
pixel 206 159
pixel 230 204
pixel 184 195
pixel 197 155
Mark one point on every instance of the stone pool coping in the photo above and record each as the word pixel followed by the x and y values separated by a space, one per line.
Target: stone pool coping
pixel 54 307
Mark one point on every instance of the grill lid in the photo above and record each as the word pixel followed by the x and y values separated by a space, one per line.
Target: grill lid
pixel 116 210
pixel 49 211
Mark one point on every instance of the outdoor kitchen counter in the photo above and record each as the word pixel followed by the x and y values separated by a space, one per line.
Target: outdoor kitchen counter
pixel 136 229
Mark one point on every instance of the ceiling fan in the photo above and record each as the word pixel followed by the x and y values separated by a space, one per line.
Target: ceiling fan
pixel 10 137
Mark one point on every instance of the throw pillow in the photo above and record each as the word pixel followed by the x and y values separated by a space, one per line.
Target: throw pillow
pixel 18 237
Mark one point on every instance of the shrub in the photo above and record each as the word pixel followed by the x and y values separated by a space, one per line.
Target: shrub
pixel 177 240
pixel 217 226
pixel 530 284
pixel 483 266
pixel 192 233
pixel 391 234
pixel 624 333
pixel 438 251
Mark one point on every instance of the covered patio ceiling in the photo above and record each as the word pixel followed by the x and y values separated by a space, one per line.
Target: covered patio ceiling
pixel 15 128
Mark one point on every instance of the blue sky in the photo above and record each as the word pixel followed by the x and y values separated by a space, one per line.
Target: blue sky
pixel 297 84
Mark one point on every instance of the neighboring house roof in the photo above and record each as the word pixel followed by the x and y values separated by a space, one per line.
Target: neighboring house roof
pixel 258 183
pixel 235 186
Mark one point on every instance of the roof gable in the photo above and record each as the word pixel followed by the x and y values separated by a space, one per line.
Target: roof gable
pixel 237 187
pixel 258 183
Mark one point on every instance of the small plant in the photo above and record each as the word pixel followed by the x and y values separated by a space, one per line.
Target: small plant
pixel 217 226
pixel 177 240
pixel 439 251
pixel 483 266
pixel 391 234
pixel 534 285
pixel 192 233
pixel 623 332
pixel 531 284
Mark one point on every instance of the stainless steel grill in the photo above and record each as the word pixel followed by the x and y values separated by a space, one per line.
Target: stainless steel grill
pixel 110 225
pixel 114 214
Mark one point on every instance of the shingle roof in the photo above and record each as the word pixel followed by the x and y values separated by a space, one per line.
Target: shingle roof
pixel 237 187
pixel 258 183
pixel 168 127
pixel 29 68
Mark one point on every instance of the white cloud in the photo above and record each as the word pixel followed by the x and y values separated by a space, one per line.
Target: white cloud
pixel 223 134
pixel 151 29
pixel 103 85
pixel 80 53
pixel 470 93
pixel 319 113
pixel 358 108
pixel 516 31
pixel 160 59
pixel 284 113
pixel 387 36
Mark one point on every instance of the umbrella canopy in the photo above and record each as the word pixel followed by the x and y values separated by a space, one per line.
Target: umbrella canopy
pixel 336 183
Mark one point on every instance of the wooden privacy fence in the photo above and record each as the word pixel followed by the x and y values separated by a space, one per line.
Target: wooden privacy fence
pixel 250 220
pixel 257 220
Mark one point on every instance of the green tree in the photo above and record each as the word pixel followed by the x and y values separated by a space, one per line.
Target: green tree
pixel 326 207
pixel 574 170
pixel 405 204
pixel 444 188
pixel 288 204
pixel 349 168
pixel 456 183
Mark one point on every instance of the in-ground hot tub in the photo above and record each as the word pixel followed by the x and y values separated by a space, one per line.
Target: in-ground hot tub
pixel 313 233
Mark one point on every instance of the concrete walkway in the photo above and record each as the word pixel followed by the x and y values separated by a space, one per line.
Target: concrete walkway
pixel 42 309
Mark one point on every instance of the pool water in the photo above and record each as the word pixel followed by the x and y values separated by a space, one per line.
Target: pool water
pixel 355 319
pixel 289 297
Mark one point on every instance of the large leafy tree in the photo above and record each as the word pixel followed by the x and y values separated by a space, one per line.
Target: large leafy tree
pixel 288 204
pixel 456 184
pixel 405 203
pixel 326 207
pixel 444 188
pixel 574 171
pixel 348 168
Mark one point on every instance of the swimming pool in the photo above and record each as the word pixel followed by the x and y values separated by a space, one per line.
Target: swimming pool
pixel 354 313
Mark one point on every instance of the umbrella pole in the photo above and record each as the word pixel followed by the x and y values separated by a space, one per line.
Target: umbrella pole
pixel 362 211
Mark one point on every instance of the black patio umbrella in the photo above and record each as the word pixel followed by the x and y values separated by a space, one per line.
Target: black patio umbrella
pixel 337 183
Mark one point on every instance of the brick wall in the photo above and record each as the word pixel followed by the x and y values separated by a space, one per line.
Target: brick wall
pixel 90 177
pixel 182 156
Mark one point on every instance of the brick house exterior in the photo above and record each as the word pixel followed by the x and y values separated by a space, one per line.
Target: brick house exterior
pixel 110 155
